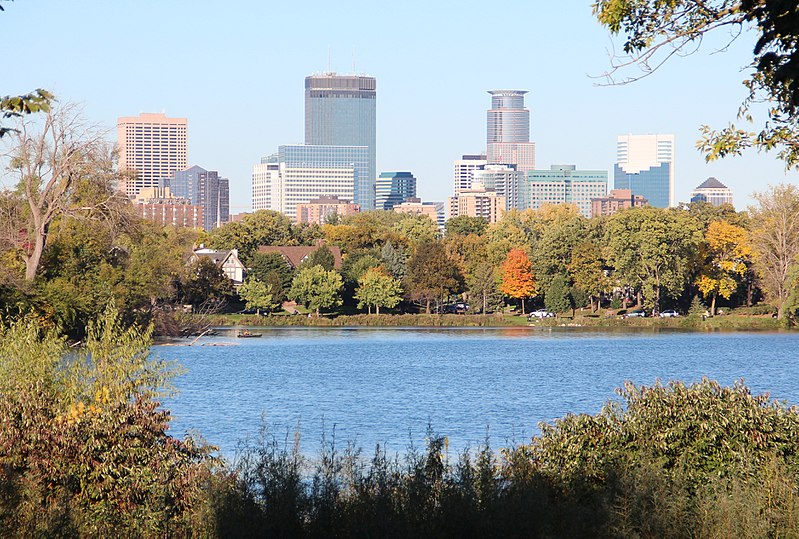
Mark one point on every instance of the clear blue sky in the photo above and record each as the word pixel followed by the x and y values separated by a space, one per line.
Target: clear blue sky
pixel 236 71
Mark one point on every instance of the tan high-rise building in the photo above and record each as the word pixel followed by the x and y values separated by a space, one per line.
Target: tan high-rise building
pixel 318 210
pixel 485 203
pixel 152 146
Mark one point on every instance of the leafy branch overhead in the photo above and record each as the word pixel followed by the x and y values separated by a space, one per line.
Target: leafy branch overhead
pixel 656 30
pixel 17 105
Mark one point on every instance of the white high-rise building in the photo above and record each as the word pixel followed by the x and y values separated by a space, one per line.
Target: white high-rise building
pixel 303 172
pixel 712 192
pixel 464 170
pixel 506 181
pixel 153 147
pixel 645 165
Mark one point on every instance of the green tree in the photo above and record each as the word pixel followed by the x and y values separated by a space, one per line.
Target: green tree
pixel 482 286
pixel 652 250
pixel 272 269
pixel 417 229
pixel 463 225
pixel 655 30
pixel 587 271
pixel 432 275
pixel 317 288
pixel 257 295
pixel 557 297
pixel 378 288
pixel 264 227
pixel 775 240
pixel 395 259
pixel 322 256
pixel 205 285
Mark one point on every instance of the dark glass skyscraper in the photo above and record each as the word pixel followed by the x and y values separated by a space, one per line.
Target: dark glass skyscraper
pixel 340 110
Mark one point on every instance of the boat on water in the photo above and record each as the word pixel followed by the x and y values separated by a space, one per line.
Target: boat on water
pixel 247 334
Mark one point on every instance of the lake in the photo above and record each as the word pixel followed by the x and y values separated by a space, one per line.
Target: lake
pixel 387 385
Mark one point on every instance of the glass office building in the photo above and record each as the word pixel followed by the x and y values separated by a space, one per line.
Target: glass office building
pixel 508 131
pixel 204 188
pixel 645 166
pixel 394 188
pixel 564 184
pixel 340 110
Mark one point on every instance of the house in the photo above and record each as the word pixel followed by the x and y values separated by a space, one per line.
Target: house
pixel 294 255
pixel 227 261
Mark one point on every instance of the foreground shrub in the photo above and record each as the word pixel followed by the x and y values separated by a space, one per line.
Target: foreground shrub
pixel 83 443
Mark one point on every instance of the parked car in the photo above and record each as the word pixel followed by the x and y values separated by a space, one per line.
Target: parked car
pixel 635 314
pixel 669 314
pixel 457 308
pixel 541 313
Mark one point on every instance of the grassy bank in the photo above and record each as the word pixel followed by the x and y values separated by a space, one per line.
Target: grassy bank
pixel 731 322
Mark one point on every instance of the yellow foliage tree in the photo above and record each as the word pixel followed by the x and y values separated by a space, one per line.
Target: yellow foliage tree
pixel 728 253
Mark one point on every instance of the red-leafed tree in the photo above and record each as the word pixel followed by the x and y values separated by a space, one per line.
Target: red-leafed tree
pixel 518 280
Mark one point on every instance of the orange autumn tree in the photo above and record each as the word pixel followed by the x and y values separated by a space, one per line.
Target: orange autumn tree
pixel 517 276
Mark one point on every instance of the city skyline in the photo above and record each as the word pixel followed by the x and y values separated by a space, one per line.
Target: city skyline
pixel 431 108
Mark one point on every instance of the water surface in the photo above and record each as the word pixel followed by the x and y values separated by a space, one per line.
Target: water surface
pixel 378 385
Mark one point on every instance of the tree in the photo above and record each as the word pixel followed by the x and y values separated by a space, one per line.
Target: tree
pixel 395 259
pixel 463 225
pixel 205 284
pixel 517 276
pixel 775 240
pixel 655 30
pixel 482 285
pixel 432 275
pixel 264 227
pixel 317 288
pixel 257 295
pixel 272 269
pixel 557 297
pixel 322 256
pixel 728 256
pixel 652 250
pixel 587 271
pixel 417 229
pixel 61 168
pixel 376 287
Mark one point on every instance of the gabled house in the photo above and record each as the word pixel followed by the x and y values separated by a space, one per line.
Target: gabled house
pixel 294 254
pixel 227 261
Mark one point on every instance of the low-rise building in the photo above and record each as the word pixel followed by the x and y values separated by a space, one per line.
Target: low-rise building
pixel 485 203
pixel 617 199
pixel 294 255
pixel 319 210
pixel 227 261
pixel 159 205
pixel 433 210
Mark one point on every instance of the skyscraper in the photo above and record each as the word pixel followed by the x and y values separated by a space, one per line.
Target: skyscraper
pixel 204 188
pixel 508 183
pixel 645 165
pixel 340 110
pixel 464 170
pixel 153 146
pixel 394 188
pixel 508 131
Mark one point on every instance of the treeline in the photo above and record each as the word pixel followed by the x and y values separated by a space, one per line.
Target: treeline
pixel 85 451
pixel 70 243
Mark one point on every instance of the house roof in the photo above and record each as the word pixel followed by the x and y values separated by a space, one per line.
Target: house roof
pixel 294 255
pixel 217 257
pixel 711 183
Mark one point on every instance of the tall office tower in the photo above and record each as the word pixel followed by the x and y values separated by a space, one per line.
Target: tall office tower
pixel 265 184
pixel 394 188
pixel 153 146
pixel 508 134
pixel 713 192
pixel 564 184
pixel 506 181
pixel 204 188
pixel 645 166
pixel 464 169
pixel 340 111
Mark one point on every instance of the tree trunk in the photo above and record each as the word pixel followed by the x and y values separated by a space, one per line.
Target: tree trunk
pixel 32 260
pixel 377 309
pixel 522 299
pixel 485 302
pixel 427 308
pixel 317 312
pixel 713 305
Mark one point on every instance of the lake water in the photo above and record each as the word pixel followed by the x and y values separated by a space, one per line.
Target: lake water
pixel 387 385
